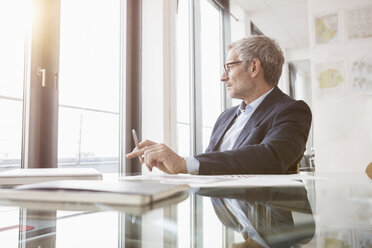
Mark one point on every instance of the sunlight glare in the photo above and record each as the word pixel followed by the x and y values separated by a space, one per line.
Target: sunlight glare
pixel 16 14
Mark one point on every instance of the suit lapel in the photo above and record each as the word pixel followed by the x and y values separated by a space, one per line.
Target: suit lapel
pixel 221 131
pixel 259 114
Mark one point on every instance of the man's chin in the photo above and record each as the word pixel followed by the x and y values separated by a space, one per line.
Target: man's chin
pixel 234 96
pixel 231 94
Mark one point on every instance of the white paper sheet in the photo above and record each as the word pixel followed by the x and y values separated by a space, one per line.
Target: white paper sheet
pixel 200 181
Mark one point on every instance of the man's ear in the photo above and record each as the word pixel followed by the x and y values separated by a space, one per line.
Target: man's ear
pixel 255 67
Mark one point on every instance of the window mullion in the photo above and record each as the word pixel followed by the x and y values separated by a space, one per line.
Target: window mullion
pixel 43 117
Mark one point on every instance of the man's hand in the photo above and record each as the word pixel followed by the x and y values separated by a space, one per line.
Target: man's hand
pixel 160 156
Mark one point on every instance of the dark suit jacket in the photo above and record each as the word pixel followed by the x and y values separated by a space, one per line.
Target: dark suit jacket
pixel 272 141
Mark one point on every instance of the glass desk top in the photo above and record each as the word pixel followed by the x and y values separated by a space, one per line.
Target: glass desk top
pixel 332 212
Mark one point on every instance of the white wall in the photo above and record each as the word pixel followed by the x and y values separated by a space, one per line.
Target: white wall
pixel 342 123
pixel 297 54
pixel 238 28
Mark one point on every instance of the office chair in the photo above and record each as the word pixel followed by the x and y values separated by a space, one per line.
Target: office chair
pixel 307 162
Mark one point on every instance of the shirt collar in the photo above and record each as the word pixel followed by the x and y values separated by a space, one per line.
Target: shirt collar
pixel 247 109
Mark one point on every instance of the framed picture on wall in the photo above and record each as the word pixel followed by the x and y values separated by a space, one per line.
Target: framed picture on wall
pixel 358 23
pixel 326 28
pixel 330 79
pixel 363 238
pixel 360 82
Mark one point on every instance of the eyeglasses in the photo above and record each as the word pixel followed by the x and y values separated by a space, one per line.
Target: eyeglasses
pixel 227 67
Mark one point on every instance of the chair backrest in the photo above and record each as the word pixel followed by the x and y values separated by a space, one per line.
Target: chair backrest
pixel 307 163
pixel 369 170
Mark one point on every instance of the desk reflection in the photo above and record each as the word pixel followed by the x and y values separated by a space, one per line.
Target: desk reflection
pixel 264 216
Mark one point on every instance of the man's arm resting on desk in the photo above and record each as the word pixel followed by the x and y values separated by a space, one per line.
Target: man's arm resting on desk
pixel 192 165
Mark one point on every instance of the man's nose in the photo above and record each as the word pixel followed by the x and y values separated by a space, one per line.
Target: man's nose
pixel 224 77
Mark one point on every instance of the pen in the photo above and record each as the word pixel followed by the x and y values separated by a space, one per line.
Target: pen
pixel 135 139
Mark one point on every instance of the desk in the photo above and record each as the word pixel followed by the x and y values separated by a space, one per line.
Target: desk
pixel 334 212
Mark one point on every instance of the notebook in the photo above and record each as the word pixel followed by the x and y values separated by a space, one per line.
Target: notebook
pixel 25 176
pixel 94 207
pixel 93 191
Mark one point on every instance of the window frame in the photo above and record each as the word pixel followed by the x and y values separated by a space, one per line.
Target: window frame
pixel 40 104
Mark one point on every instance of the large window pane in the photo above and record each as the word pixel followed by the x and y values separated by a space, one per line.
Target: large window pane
pixel 15 16
pixel 85 144
pixel 183 137
pixel 183 62
pixel 10 133
pixel 183 100
pixel 183 80
pixel 89 82
pixel 211 64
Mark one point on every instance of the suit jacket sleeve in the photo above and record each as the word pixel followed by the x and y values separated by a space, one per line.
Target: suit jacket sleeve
pixel 282 146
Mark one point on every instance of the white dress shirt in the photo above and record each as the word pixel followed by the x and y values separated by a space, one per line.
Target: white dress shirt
pixel 244 113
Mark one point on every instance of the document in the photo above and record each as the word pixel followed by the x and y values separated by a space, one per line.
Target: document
pixel 200 181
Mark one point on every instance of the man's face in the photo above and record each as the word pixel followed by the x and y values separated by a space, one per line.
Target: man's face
pixel 239 82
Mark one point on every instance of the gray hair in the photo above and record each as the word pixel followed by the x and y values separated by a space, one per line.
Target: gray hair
pixel 266 50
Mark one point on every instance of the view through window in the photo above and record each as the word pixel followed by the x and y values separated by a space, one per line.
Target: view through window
pixel 88 133
pixel 211 63
pixel 14 25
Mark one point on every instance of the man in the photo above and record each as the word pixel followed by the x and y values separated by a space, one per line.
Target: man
pixel 266 134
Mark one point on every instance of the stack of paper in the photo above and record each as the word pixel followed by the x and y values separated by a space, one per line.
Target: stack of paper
pixel 200 181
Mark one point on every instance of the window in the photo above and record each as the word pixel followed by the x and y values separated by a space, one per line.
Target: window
pixel 199 90
pixel 210 54
pixel 183 86
pixel 88 128
pixel 14 28
pixel 63 83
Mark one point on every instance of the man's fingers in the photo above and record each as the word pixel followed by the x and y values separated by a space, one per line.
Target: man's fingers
pixel 149 167
pixel 158 155
pixel 142 146
pixel 133 154
pixel 151 157
pixel 146 143
pixel 136 153
pixel 162 167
